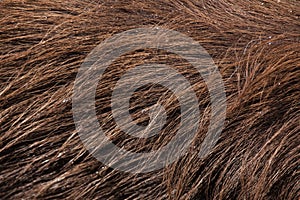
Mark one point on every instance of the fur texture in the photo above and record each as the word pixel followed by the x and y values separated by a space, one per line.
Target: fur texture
pixel 254 43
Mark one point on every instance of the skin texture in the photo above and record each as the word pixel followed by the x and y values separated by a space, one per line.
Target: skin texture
pixel 255 45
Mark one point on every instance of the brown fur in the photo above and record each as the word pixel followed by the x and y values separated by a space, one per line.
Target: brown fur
pixel 255 44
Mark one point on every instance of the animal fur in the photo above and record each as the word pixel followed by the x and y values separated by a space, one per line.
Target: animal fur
pixel 255 45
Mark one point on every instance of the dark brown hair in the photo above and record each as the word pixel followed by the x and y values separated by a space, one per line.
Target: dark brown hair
pixel 255 45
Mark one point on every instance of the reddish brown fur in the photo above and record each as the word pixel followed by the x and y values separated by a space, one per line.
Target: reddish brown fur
pixel 255 44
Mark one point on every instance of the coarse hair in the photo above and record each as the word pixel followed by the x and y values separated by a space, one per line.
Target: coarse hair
pixel 255 45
